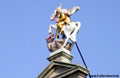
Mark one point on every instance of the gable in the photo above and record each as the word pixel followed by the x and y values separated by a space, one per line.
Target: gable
pixel 55 68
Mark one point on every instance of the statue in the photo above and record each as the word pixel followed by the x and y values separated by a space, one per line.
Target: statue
pixel 65 27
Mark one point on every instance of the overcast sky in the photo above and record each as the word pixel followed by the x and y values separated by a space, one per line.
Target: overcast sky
pixel 24 28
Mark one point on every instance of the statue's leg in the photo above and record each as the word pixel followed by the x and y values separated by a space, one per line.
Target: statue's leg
pixel 72 45
pixel 66 40
pixel 53 48
pixel 67 46
pixel 67 31
pixel 77 28
pixel 60 25
pixel 50 46
pixel 58 44
pixel 50 28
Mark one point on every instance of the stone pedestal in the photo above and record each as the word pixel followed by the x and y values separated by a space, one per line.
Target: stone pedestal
pixel 61 55
pixel 60 66
pixel 64 70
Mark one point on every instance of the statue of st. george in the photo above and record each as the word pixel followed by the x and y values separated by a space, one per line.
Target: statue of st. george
pixel 65 27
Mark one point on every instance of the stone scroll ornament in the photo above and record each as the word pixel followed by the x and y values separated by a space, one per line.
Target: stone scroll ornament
pixel 65 28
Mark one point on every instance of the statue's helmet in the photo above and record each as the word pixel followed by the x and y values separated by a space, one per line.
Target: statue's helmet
pixel 59 8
